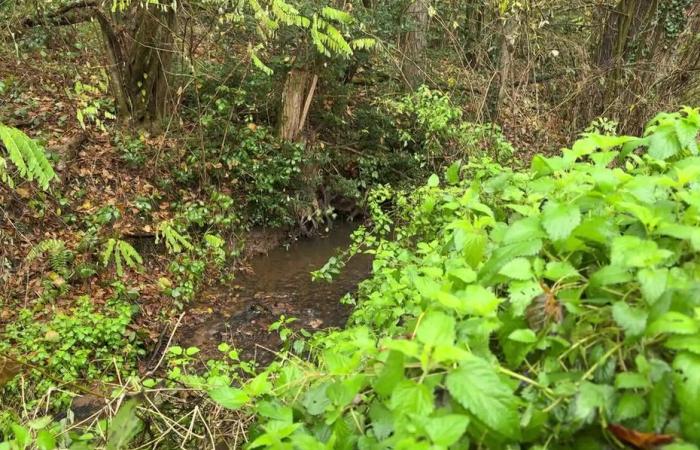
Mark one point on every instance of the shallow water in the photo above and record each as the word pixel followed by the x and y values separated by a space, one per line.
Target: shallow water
pixel 279 283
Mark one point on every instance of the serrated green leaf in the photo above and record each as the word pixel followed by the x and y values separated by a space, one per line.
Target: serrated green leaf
pixel 477 387
pixel 559 219
pixel 518 269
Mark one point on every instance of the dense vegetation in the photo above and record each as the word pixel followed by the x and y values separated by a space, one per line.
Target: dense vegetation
pixel 532 220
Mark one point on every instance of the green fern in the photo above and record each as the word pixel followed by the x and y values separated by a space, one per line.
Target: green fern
pixel 59 256
pixel 174 241
pixel 122 253
pixel 337 15
pixel 27 156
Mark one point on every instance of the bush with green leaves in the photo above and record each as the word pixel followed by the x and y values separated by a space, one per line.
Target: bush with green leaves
pixel 516 309
pixel 68 349
pixel 432 126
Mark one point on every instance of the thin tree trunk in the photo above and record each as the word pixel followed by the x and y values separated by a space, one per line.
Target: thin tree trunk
pixel 502 76
pixel 414 43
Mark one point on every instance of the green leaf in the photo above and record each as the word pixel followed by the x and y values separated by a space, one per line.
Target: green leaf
pixel 663 143
pixel 125 426
pixel 560 270
pixel 21 436
pixel 631 251
pixel 477 387
pixel 629 406
pixel 315 399
pixel 45 440
pixel 592 398
pixel 673 322
pixel 632 320
pixel 446 430
pixel 479 301
pixel 452 173
pixel 688 343
pixel 631 380
pixel 228 397
pixel 410 397
pixel 525 335
pixel 559 220
pixel 518 269
pixel 687 383
pixel 433 181
pixel 436 328
pixel 652 283
pixel 660 398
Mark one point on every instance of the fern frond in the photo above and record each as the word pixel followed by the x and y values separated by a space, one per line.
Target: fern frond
pixel 27 156
pixel 257 62
pixel 288 14
pixel 174 241
pixel 337 15
pixel 59 255
pixel 363 43
pixel 123 253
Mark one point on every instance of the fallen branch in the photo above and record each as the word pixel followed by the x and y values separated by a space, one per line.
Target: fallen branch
pixel 72 14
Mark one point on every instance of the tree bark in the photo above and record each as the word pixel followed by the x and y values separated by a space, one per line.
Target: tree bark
pixel 414 43
pixel 140 46
pixel 299 88
pixel 502 75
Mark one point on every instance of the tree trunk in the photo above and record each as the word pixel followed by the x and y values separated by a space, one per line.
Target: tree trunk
pixel 502 75
pixel 140 44
pixel 414 43
pixel 297 95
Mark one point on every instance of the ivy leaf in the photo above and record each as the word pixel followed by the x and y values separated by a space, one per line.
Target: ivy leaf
pixel 632 320
pixel 477 387
pixel 559 220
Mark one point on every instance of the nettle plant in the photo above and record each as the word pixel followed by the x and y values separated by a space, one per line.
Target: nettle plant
pixel 557 307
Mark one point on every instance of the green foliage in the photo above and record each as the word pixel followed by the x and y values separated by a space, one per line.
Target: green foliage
pixel 122 253
pixel 432 126
pixel 82 344
pixel 28 157
pixel 531 307
pixel 59 256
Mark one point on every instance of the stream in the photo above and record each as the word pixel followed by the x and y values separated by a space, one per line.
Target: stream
pixel 278 283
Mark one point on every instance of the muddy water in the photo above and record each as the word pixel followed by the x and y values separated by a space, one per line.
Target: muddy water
pixel 278 283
